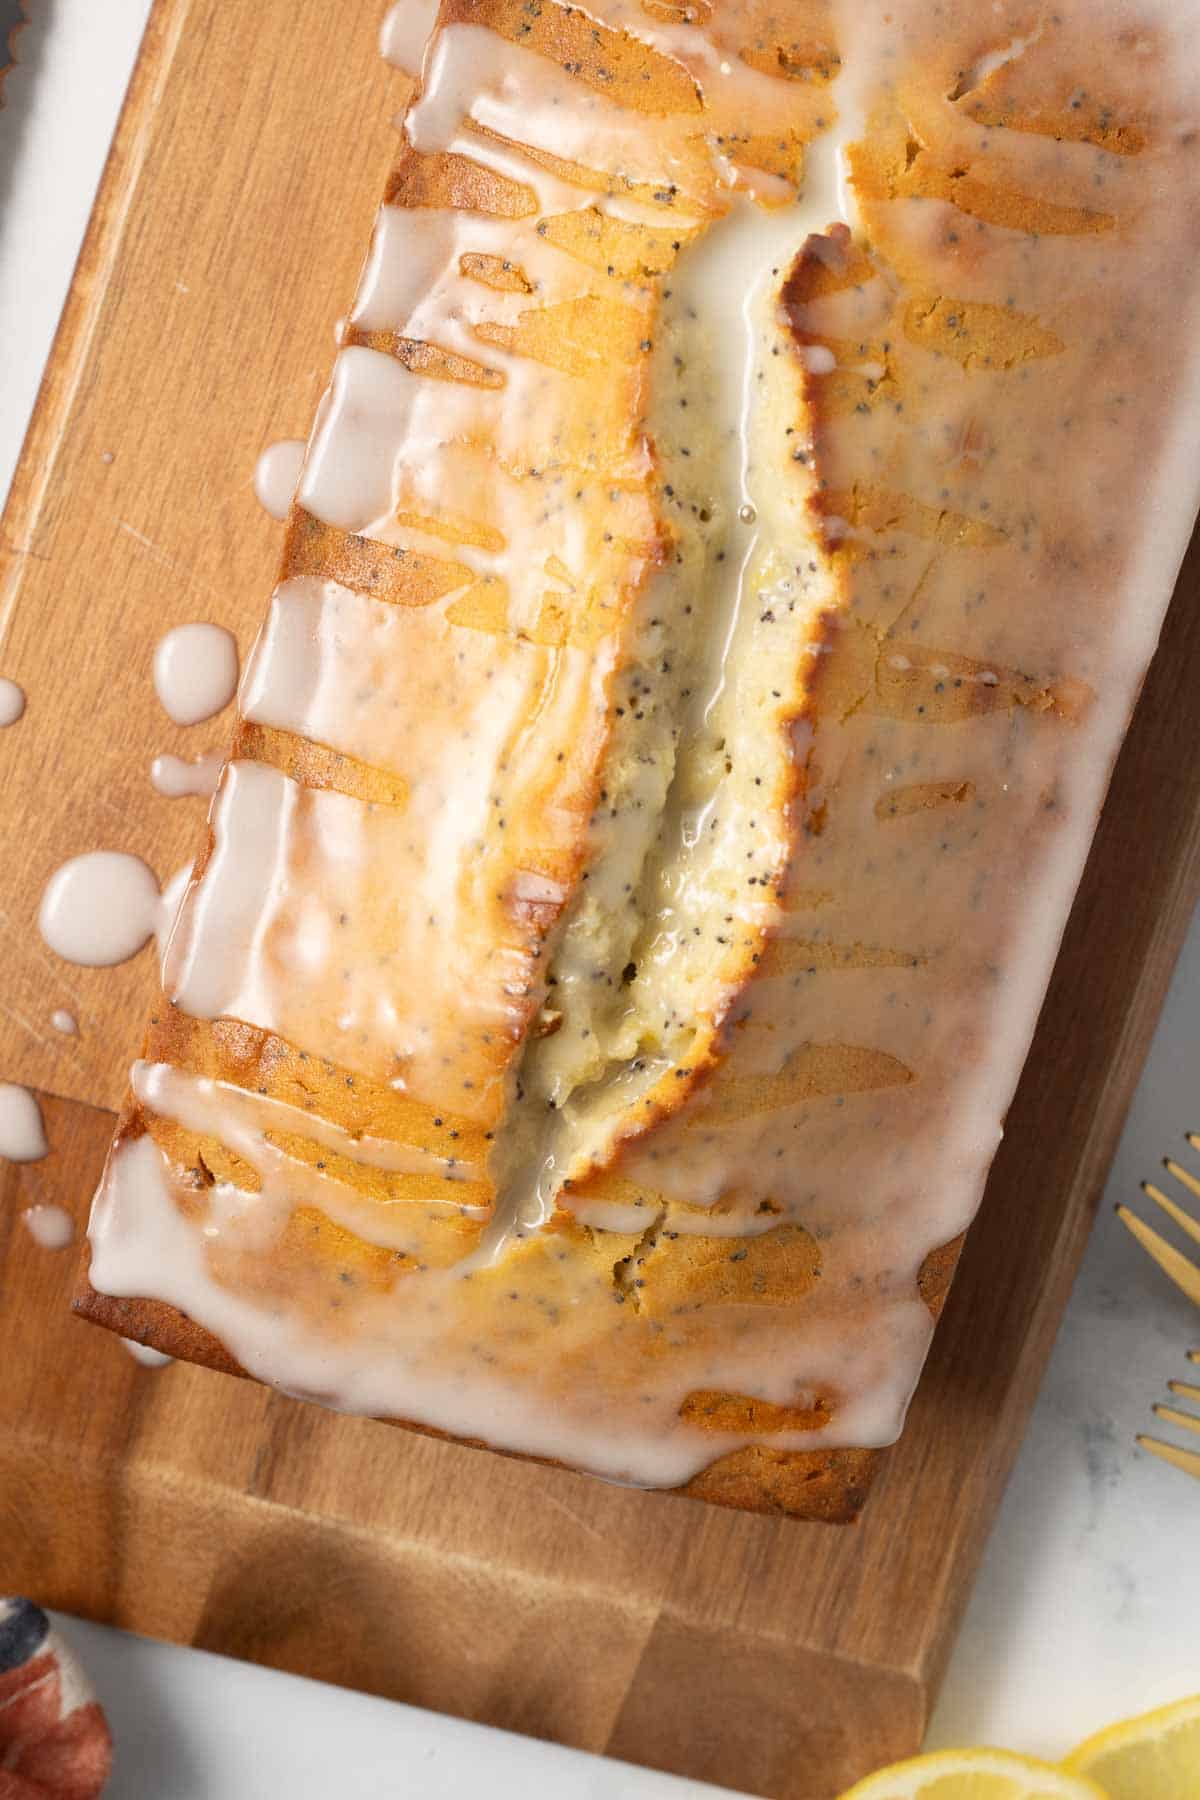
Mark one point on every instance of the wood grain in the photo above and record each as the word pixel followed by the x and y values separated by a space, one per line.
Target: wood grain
pixel 226 238
pixel 779 1658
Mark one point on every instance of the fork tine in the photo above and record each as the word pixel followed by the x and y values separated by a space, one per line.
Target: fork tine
pixel 1174 1211
pixel 1191 1182
pixel 1183 1273
pixel 1187 1390
pixel 1173 1416
pixel 1194 1356
pixel 1187 1460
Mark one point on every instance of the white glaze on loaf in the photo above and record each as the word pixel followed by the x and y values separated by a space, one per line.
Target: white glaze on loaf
pixel 711 940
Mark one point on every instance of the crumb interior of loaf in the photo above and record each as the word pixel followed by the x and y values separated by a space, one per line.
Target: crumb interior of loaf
pixel 688 829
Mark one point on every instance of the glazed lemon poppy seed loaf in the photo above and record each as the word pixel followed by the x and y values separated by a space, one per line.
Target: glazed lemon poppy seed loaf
pixel 710 609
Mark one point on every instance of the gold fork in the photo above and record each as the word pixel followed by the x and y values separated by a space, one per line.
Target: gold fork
pixel 1186 1275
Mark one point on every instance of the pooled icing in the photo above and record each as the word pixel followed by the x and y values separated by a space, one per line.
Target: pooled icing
pixel 176 777
pixel 22 1133
pixel 195 672
pixel 50 1227
pixel 147 1355
pixel 100 908
pixel 276 475
pixel 12 702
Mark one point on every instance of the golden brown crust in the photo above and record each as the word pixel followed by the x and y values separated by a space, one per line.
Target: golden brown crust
pixel 825 1485
pixel 154 1323
pixel 937 1272
pixel 829 1486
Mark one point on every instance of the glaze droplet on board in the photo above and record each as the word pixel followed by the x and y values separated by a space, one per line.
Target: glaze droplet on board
pixel 50 1227
pixel 100 908
pixel 65 1021
pixel 12 701
pixel 277 475
pixel 176 777
pixel 405 32
pixel 196 672
pixel 146 1354
pixel 172 894
pixel 22 1134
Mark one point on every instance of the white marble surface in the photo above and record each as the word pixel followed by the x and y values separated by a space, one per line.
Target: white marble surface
pixel 189 1726
pixel 1088 1600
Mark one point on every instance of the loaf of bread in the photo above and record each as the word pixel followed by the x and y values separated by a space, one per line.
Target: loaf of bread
pixel 724 565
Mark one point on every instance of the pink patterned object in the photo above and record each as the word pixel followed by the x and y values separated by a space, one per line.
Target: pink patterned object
pixel 54 1738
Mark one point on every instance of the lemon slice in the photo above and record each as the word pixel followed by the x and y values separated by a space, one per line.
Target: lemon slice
pixel 974 1775
pixel 1153 1757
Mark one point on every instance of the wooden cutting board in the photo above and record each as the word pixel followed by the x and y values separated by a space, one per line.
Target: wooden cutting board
pixel 779 1658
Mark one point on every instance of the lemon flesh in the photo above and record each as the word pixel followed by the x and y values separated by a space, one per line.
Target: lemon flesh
pixel 1153 1757
pixel 975 1775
